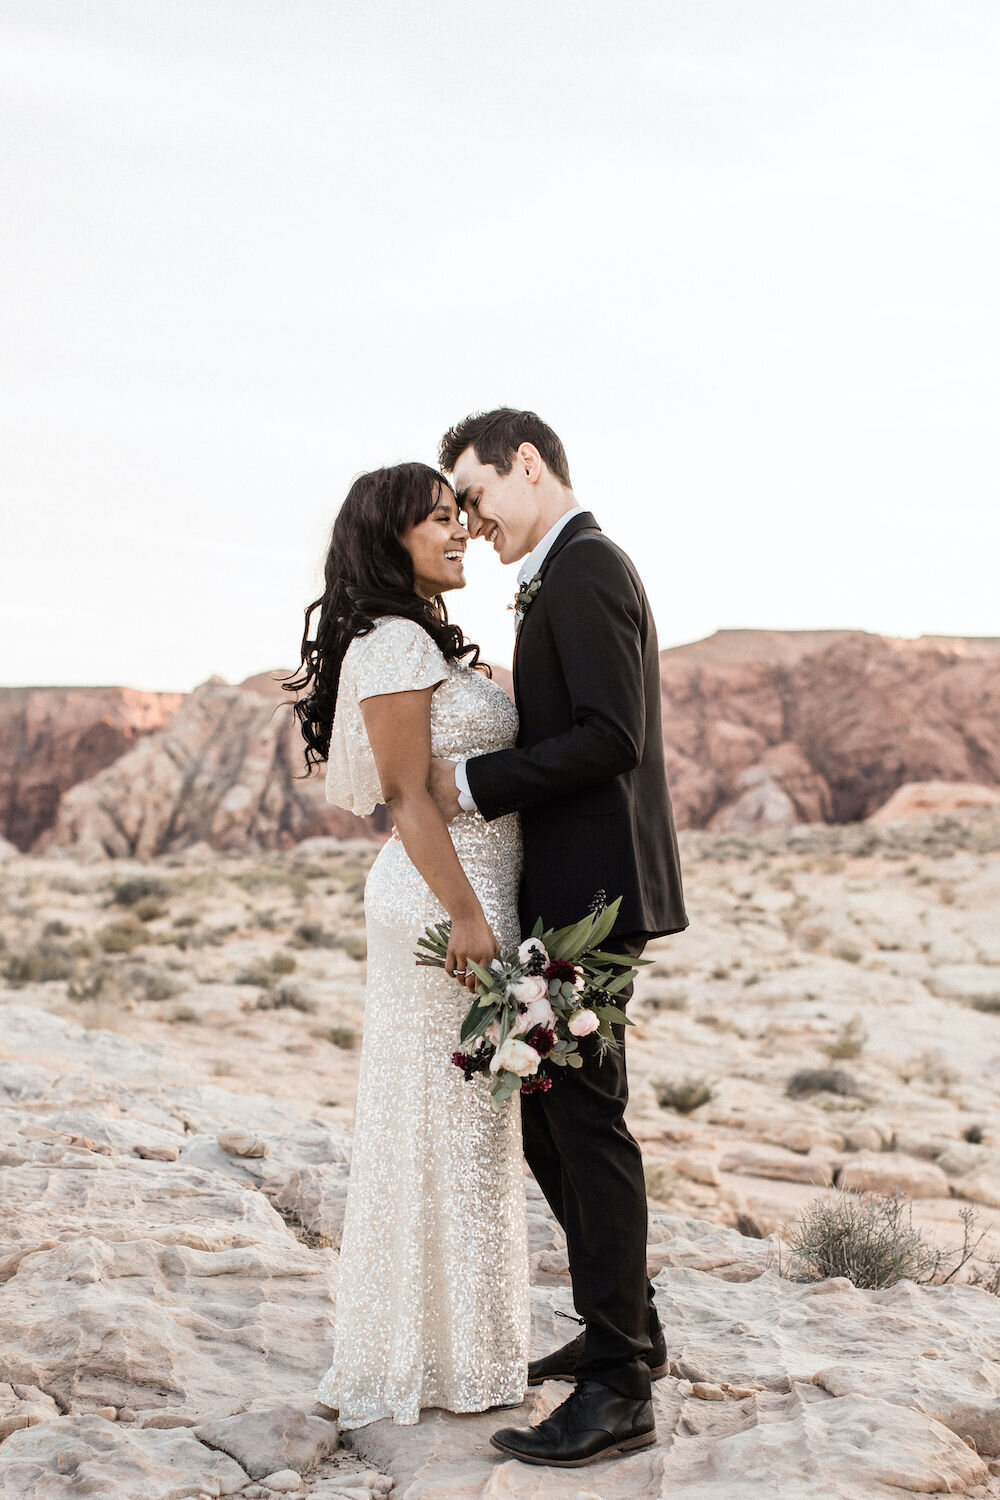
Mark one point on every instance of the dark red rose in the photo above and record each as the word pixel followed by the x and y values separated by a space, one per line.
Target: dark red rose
pixel 536 1085
pixel 561 969
pixel 542 1038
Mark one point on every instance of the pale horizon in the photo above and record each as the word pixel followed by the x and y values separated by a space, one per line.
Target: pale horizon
pixel 742 260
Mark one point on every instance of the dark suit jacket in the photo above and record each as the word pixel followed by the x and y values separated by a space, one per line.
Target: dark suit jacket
pixel 587 774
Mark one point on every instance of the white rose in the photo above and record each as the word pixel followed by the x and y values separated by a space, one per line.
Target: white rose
pixel 493 1033
pixel 580 982
pixel 528 947
pixel 583 1022
pixel 529 989
pixel 517 1057
pixel 538 1013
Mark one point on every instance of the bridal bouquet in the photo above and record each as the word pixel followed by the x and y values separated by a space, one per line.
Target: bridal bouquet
pixel 533 1004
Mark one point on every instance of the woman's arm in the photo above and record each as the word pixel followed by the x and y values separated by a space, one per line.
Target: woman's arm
pixel 399 732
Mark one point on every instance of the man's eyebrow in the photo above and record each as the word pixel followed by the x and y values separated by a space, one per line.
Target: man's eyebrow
pixel 463 497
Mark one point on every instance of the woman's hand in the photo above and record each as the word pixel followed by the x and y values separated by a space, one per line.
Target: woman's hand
pixel 471 938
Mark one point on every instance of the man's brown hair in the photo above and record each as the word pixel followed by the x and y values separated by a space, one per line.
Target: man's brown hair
pixel 495 437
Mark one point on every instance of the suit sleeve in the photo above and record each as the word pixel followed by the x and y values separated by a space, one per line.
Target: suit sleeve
pixel 595 613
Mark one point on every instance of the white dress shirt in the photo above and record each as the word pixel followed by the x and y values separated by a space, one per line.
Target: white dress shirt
pixel 531 565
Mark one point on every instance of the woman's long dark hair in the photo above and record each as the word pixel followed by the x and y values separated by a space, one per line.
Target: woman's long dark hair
pixel 368 572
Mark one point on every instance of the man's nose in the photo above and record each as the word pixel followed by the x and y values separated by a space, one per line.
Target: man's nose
pixel 472 524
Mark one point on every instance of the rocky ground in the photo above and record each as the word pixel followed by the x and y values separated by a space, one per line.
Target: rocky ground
pixel 178 1052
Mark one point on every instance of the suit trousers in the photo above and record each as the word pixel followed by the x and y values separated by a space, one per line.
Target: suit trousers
pixel 589 1167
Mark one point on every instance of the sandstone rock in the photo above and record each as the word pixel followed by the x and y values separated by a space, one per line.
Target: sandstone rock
pixel 968 982
pixel 698 1169
pixel 283 1481
pixel 52 738
pixel 916 799
pixel 706 1392
pixel 274 1439
pixel 242 1143
pixel 868 1135
pixel 892 1172
pixel 771 1161
pixel 101 1458
pixel 698 1245
pixel 223 771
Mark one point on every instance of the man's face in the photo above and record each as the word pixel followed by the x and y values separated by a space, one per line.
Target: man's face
pixel 501 508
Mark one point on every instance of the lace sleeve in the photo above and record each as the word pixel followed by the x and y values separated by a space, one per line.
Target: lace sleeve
pixel 398 656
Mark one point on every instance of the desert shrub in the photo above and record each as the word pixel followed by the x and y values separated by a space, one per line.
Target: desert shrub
pixel 849 952
pixel 354 944
pixel 870 1238
pixel 139 888
pixel 720 971
pixel 100 983
pixel 156 985
pixel 148 909
pixel 929 1067
pixel 340 1036
pixel 121 936
pixel 184 1013
pixel 264 971
pixel 42 964
pixel 990 1004
pixel 658 999
pixel 821 1081
pixel 866 1237
pixel 56 929
pixel 312 935
pixel 289 997
pixel 186 921
pixel 849 1041
pixel 973 1134
pixel 682 1095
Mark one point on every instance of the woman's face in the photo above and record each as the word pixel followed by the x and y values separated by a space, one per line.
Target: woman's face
pixel 437 547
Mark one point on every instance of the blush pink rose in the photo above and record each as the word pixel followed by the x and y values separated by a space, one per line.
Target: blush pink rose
pixel 583 1022
pixel 529 989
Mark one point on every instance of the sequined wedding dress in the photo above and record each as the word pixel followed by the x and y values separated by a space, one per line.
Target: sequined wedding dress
pixel 432 1301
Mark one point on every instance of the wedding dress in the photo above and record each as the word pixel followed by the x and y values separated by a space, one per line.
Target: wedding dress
pixel 432 1301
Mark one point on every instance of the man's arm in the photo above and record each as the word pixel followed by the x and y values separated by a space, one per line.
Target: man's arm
pixel 595 612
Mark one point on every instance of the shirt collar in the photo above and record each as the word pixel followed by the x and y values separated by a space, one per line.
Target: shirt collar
pixel 533 562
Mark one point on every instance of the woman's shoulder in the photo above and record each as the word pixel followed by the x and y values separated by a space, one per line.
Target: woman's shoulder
pixel 389 634
pixel 396 655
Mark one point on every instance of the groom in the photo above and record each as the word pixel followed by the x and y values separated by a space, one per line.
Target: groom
pixel 587 777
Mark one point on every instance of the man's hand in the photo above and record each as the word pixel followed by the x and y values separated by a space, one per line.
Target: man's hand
pixel 443 789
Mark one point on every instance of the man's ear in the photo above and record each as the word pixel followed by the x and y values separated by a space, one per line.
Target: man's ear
pixel 530 461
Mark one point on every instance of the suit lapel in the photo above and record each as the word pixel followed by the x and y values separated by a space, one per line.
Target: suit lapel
pixel 583 522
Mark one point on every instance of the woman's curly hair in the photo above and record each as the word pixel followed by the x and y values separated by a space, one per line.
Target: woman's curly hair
pixel 368 573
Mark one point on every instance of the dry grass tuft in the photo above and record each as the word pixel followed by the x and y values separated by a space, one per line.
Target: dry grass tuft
pixel 682 1095
pixel 822 1081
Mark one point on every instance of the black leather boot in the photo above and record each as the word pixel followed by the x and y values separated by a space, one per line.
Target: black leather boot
pixel 594 1422
pixel 562 1363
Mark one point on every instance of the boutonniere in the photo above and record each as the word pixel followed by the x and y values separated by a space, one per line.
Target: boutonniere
pixel 524 597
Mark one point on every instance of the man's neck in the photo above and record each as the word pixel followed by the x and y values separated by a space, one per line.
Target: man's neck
pixel 553 511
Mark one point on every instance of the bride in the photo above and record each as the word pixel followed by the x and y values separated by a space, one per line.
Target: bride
pixel 432 1302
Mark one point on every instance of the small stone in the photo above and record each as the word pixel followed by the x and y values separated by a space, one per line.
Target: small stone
pixel 994 1467
pixel 127 1414
pixel 706 1392
pixel 242 1143
pixel 970 1442
pixel 284 1481
pixel 253 1492
pixel 741 1392
pixel 157 1153
pixel 109 1413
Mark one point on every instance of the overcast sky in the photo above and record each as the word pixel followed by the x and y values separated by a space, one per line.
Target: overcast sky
pixel 743 257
